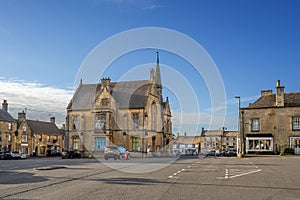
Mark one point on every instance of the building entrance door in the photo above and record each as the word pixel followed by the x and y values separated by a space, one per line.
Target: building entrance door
pixel 295 143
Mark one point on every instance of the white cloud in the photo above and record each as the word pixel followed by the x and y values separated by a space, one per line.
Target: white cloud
pixel 40 101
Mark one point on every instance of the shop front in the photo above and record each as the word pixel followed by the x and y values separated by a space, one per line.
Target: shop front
pixel 259 143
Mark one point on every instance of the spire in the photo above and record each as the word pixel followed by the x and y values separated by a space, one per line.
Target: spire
pixel 157 78
pixel 157 72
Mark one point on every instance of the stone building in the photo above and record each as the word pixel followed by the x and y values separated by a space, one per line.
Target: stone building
pixel 8 127
pixel 132 114
pixel 38 137
pixel 186 145
pixel 218 140
pixel 271 122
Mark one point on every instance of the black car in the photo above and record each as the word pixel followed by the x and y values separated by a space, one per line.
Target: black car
pixel 70 154
pixel 231 153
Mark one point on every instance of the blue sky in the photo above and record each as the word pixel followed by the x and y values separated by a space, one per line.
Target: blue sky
pixel 44 43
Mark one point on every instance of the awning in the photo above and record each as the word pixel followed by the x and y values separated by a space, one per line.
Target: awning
pixel 260 135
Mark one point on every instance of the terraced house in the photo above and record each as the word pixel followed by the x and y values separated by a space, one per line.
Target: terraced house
pixel 8 127
pixel 38 138
pixel 132 114
pixel 272 122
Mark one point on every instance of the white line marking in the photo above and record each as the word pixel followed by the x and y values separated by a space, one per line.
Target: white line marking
pixel 189 166
pixel 245 173
pixel 170 177
pixel 178 172
pixel 174 174
pixel 226 173
pixel 182 169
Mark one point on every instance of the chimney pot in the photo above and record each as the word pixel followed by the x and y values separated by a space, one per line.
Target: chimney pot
pixel 5 105
pixel 278 83
pixel 52 120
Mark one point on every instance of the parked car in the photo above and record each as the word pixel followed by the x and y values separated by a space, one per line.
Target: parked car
pixel 55 152
pixel 7 155
pixel 124 153
pixel 231 153
pixel 23 155
pixel 211 153
pixel 1 155
pixel 15 155
pixel 70 154
pixel 112 152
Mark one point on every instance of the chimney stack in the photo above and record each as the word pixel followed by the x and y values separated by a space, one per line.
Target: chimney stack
pixel 52 120
pixel 279 94
pixel 5 105
pixel 21 116
pixel 266 92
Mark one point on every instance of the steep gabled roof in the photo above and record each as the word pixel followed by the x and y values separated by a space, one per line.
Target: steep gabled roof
pixel 269 101
pixel 131 94
pixel 5 116
pixel 41 127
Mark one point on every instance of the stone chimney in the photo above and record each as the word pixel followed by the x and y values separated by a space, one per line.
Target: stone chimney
pixel 5 105
pixel 105 82
pixel 21 116
pixel 266 92
pixel 279 94
pixel 52 120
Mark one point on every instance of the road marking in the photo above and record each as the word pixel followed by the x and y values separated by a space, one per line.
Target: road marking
pixel 170 177
pixel 243 174
pixel 226 173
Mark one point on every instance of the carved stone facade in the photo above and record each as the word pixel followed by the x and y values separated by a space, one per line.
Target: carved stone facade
pixel 130 114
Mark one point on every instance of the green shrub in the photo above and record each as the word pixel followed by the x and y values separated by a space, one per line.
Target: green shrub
pixel 286 150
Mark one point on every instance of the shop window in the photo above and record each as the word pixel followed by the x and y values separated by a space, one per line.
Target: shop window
pixel 259 144
pixel 296 123
pixel 255 125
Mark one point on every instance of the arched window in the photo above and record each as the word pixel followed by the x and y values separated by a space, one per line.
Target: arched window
pixel 153 116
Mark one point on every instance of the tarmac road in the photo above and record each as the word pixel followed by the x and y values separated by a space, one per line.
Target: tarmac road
pixel 264 177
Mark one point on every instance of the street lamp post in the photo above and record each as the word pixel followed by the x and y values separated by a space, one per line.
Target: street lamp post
pixel 239 146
